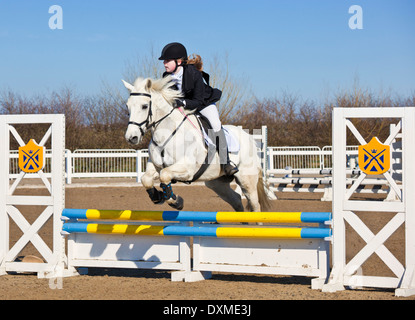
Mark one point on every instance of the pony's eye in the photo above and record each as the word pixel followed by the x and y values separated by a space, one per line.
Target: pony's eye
pixel 145 106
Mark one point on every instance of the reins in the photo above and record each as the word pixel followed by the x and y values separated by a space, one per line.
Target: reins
pixel 186 117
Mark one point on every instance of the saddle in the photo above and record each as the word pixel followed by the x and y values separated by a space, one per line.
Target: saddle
pixel 232 142
pixel 205 126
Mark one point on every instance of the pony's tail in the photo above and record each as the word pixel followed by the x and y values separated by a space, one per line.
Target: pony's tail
pixel 264 193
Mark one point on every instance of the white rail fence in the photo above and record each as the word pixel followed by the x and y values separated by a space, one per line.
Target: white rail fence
pixel 114 163
pixel 130 163
pixel 287 169
pixel 310 158
pixel 94 163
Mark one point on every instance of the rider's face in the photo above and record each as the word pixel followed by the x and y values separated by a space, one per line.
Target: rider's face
pixel 170 65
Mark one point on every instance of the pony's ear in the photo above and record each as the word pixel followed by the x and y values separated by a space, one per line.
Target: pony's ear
pixel 128 86
pixel 149 83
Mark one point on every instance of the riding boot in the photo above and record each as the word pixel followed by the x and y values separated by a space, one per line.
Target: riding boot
pixel 222 147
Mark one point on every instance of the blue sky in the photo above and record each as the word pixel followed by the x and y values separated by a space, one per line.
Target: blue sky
pixel 304 47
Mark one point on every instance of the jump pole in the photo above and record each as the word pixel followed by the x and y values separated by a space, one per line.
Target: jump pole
pixel 216 216
pixel 210 231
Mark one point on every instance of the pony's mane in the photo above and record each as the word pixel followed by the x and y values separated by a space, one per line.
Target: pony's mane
pixel 162 86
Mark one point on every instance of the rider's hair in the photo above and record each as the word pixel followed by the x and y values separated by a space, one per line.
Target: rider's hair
pixel 196 60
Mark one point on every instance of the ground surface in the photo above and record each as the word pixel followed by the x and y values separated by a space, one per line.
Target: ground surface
pixel 156 285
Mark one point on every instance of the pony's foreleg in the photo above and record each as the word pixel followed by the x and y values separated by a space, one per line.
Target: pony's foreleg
pixel 173 200
pixel 178 172
pixel 147 180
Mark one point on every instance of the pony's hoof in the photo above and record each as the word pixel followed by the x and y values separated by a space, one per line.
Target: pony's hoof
pixel 156 196
pixel 161 201
pixel 178 204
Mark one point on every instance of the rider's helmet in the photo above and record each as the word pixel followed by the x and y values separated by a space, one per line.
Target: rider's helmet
pixel 173 51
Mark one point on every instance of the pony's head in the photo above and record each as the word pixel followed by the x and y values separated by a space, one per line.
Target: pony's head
pixel 145 96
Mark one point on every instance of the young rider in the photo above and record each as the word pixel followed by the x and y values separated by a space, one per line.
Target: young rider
pixel 193 82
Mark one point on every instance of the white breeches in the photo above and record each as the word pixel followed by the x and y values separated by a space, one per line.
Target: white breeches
pixel 211 112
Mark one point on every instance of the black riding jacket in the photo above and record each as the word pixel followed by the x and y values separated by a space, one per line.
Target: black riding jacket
pixel 197 93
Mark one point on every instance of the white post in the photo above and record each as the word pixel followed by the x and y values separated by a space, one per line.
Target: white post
pixel 138 166
pixel 58 191
pixel 4 184
pixel 339 232
pixel 265 149
pixel 407 287
pixel 68 157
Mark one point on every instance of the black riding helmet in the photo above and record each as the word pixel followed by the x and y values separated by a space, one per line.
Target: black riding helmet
pixel 173 51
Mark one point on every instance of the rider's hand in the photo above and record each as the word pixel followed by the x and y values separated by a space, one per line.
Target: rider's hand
pixel 178 103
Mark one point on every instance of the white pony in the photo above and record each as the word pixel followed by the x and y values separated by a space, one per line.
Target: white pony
pixel 177 149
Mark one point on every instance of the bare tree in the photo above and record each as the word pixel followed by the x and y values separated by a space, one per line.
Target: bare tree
pixel 236 93
pixel 144 65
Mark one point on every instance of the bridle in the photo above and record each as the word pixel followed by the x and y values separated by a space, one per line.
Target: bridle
pixel 149 116
pixel 150 113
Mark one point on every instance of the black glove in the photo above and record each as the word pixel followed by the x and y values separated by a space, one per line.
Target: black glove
pixel 178 103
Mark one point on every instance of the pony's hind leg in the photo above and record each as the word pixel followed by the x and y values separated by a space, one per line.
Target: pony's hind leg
pixel 248 184
pixel 222 187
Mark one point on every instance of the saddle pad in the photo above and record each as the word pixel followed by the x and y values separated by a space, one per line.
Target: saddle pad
pixel 233 143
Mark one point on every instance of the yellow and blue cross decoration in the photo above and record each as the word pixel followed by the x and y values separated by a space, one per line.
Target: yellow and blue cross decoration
pixel 31 157
pixel 374 157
